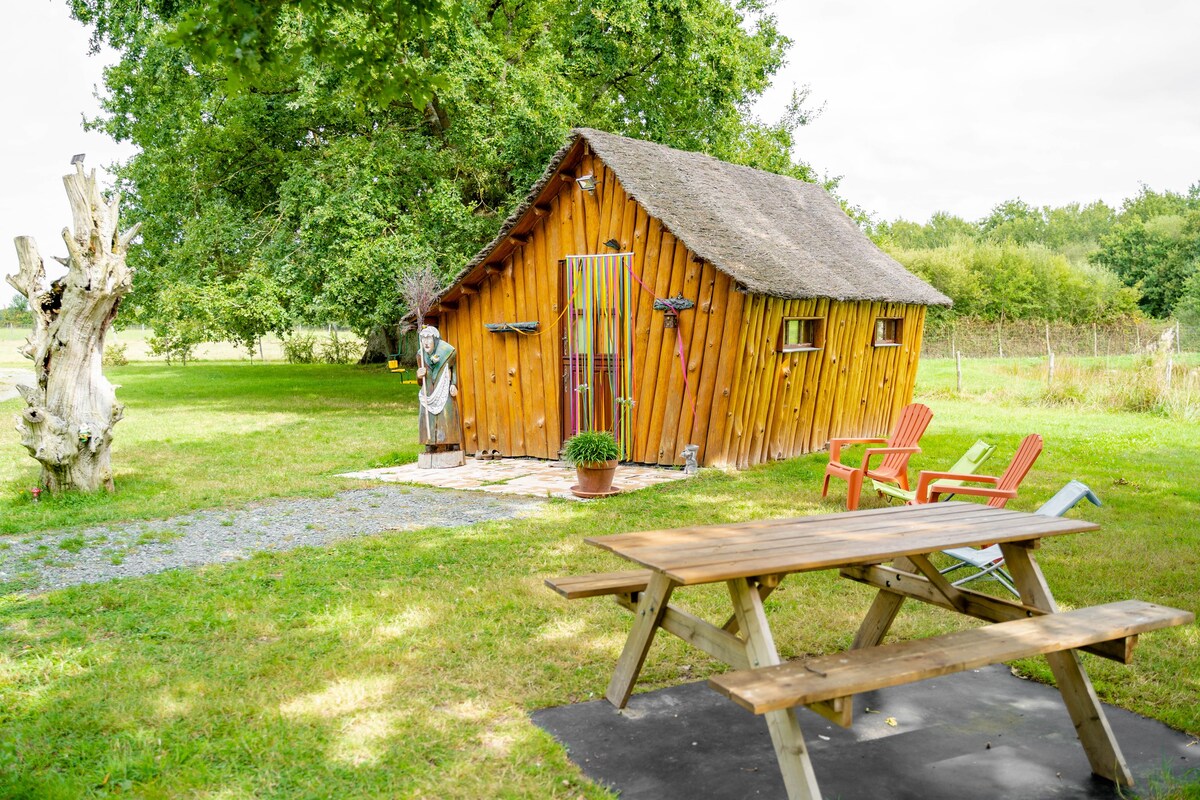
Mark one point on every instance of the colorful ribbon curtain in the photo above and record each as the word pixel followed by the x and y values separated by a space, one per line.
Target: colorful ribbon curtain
pixel 600 389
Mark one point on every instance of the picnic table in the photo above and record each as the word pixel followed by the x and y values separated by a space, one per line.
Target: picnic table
pixel 888 549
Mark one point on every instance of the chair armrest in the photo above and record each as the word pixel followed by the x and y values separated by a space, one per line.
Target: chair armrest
pixel 836 445
pixel 976 491
pixel 927 477
pixel 882 451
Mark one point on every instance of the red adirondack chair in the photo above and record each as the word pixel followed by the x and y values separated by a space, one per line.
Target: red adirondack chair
pixel 1002 489
pixel 914 419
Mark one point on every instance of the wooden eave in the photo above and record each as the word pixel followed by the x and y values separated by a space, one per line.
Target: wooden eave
pixel 522 232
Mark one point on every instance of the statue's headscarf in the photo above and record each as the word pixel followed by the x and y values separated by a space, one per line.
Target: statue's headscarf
pixel 436 361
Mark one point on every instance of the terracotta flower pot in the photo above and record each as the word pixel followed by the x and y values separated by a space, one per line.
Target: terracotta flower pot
pixel 595 479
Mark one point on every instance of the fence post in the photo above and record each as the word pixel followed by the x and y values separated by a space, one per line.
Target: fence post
pixel 1000 335
pixel 1050 371
pixel 1178 346
pixel 958 368
pixel 1095 345
pixel 1048 338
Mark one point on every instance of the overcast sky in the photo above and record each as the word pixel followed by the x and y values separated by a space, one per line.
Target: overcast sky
pixel 929 104
pixel 932 105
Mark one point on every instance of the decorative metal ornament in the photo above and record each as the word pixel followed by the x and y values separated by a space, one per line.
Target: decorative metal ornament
pixel 673 305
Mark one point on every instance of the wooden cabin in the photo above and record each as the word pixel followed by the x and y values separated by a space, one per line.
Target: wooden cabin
pixel 677 299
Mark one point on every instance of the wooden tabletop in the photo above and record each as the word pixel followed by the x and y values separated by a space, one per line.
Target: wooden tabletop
pixel 712 553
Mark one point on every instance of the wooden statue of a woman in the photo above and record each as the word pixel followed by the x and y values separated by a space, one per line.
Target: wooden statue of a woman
pixel 439 427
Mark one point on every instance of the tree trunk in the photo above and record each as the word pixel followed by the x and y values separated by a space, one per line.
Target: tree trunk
pixel 380 344
pixel 67 424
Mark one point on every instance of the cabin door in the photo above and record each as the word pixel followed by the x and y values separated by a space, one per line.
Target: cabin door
pixel 598 347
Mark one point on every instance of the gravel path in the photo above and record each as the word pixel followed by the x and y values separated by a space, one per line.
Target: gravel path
pixel 56 559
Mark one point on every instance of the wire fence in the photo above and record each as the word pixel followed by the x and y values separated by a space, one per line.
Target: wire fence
pixel 1025 338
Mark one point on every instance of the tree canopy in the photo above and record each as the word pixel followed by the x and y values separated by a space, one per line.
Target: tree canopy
pixel 295 163
pixel 1155 246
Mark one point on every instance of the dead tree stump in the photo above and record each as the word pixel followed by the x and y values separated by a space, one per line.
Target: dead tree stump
pixel 68 421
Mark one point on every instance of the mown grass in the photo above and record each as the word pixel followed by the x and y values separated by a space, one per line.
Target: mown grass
pixel 212 434
pixel 404 665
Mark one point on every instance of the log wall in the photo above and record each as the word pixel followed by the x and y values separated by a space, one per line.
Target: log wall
pixel 752 403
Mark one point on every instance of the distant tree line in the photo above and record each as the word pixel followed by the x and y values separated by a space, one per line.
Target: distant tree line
pixel 1074 263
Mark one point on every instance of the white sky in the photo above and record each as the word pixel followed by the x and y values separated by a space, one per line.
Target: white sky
pixel 936 105
pixel 47 80
pixel 929 104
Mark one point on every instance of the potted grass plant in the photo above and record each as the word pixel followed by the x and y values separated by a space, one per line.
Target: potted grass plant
pixel 594 454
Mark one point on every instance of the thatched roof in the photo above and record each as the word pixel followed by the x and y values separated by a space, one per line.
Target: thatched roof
pixel 773 234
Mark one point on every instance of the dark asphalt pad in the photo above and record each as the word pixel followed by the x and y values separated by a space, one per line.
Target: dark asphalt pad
pixel 980 734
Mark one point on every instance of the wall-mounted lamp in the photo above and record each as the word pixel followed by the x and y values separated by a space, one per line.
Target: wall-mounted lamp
pixel 613 244
pixel 587 182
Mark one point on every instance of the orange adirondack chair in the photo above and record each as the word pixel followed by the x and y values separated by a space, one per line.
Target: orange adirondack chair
pixel 1003 488
pixel 914 419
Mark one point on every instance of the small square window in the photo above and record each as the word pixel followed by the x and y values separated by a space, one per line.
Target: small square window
pixel 888 331
pixel 802 333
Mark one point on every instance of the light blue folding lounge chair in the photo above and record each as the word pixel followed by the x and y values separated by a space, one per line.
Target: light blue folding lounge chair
pixel 990 561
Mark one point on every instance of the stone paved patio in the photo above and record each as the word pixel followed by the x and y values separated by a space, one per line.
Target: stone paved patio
pixel 521 476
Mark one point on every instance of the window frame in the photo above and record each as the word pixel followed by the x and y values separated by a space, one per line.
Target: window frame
pixel 879 337
pixel 818 335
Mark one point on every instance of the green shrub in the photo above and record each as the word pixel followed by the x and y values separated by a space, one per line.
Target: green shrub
pixel 590 447
pixel 339 351
pixel 173 347
pixel 300 348
pixel 114 356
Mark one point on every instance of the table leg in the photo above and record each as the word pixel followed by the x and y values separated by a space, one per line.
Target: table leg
pixel 650 609
pixel 766 585
pixel 882 614
pixel 1091 725
pixel 790 750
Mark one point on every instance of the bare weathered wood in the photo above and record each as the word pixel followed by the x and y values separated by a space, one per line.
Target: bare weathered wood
pixel 650 610
pixel 974 604
pixel 598 584
pixel 1091 725
pixel 67 424
pixel 790 749
pixel 839 674
pixel 707 554
pixel 701 634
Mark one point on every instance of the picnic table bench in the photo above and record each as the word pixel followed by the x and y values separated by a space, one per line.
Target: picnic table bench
pixel 887 549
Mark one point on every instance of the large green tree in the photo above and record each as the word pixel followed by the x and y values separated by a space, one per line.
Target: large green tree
pixel 1155 246
pixel 310 169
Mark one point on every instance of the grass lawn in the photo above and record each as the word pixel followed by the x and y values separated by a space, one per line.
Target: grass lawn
pixel 217 434
pixel 404 665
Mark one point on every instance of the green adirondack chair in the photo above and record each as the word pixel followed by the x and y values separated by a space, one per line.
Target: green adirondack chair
pixel 969 464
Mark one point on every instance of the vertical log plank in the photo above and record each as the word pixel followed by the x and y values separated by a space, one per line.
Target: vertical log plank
pixel 732 337
pixel 710 360
pixel 669 373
